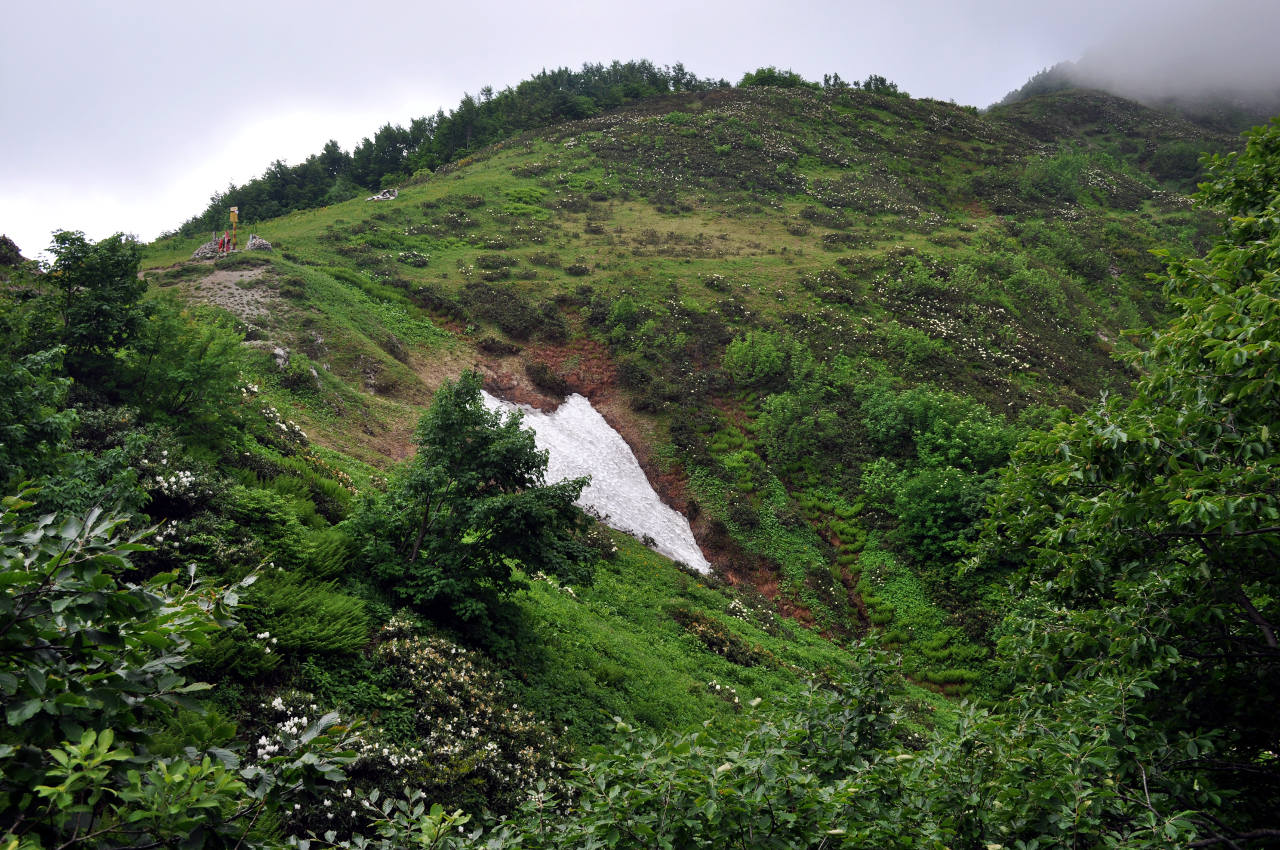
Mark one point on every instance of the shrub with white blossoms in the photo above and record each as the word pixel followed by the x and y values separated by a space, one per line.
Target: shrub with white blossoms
pixel 286 717
pixel 287 426
pixel 290 721
pixel 164 477
pixel 551 582
pixel 727 693
pixel 473 745
pixel 414 258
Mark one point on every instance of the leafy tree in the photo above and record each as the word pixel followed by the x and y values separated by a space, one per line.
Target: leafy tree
pixel 469 507
pixel 1150 529
pixel 10 255
pixel 34 426
pixel 879 84
pixel 771 76
pixel 99 298
pixel 184 366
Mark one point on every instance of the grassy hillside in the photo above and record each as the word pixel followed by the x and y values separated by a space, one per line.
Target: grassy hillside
pixel 821 317
pixel 824 319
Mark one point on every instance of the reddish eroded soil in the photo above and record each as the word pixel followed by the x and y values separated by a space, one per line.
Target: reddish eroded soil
pixel 743 570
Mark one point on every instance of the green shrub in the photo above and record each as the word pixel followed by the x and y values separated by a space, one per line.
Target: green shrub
pixel 758 359
pixel 493 345
pixel 467 742
pixel 531 195
pixel 546 259
pixel 328 554
pixel 496 261
pixel 268 518
pixel 506 308
pixel 546 379
pixel 305 617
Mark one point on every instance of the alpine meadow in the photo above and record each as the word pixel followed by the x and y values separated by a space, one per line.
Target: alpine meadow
pixel 972 413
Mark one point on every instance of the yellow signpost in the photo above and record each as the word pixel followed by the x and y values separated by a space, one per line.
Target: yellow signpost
pixel 235 218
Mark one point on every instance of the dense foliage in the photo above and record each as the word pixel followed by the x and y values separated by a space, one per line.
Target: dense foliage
pixel 91 671
pixel 1150 531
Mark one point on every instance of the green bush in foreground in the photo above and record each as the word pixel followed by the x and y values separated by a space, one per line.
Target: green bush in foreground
pixel 90 670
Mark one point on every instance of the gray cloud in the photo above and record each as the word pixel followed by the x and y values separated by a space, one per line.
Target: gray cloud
pixel 128 115
pixel 1206 49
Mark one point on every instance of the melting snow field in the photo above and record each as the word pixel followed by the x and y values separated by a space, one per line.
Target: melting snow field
pixel 580 442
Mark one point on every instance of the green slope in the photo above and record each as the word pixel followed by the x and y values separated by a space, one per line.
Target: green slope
pixel 822 318
pixel 912 270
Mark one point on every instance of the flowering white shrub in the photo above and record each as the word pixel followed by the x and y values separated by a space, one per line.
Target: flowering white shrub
pixel 162 477
pixel 287 427
pixel 725 692
pixel 473 744
pixel 414 258
pixel 551 582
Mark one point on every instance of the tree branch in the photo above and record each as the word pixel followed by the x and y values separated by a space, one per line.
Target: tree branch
pixel 1240 836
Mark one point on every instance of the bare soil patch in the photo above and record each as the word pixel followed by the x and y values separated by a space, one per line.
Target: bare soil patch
pixel 241 292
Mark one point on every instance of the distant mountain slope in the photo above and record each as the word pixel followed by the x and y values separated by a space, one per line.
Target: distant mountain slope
pixel 395 152
pixel 1222 107
pixel 821 317
pixel 1161 142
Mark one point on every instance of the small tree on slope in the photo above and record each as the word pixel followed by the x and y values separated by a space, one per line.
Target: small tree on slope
pixel 469 507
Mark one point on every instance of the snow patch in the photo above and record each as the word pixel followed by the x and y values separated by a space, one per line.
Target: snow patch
pixel 580 442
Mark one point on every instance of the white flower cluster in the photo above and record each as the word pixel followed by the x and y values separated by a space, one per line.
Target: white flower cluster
pixel 288 427
pixel 290 721
pixel 180 483
pixel 468 727
pixel 550 581
pixel 414 258
pixel 268 642
pixel 725 692
pixel 167 536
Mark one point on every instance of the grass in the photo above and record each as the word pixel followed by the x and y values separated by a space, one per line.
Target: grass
pixel 616 649
pixel 844 222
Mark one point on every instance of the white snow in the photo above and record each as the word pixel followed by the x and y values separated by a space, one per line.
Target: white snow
pixel 580 442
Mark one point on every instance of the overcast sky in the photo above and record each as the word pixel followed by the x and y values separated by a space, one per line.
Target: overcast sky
pixel 128 115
